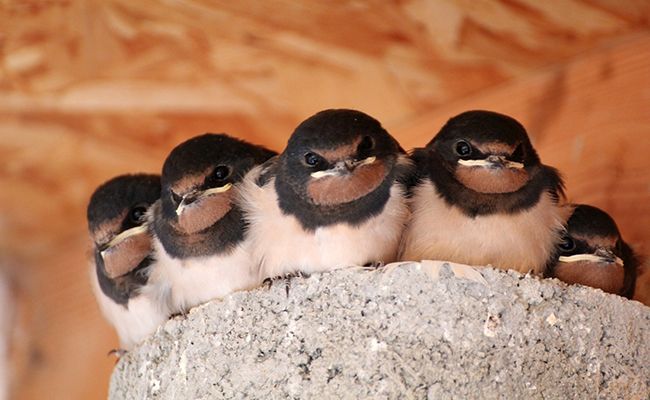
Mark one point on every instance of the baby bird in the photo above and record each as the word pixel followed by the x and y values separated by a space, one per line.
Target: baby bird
pixel 481 196
pixel 332 199
pixel 593 253
pixel 122 256
pixel 199 230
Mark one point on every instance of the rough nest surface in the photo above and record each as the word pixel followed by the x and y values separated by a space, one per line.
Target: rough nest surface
pixel 414 330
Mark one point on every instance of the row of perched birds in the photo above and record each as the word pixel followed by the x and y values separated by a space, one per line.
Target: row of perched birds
pixel 225 215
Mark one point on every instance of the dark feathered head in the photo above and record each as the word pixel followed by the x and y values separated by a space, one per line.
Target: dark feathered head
pixel 338 165
pixel 116 221
pixel 593 253
pixel 198 177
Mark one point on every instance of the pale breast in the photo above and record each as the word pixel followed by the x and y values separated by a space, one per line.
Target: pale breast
pixel 133 324
pixel 522 241
pixel 196 280
pixel 280 244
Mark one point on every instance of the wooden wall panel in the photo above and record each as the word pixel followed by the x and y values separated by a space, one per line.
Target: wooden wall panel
pixel 90 89
pixel 256 58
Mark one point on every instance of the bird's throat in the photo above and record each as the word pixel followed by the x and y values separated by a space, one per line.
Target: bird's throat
pixel 336 190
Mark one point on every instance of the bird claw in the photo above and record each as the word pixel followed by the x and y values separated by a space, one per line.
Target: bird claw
pixel 180 314
pixel 373 265
pixel 268 282
pixel 118 353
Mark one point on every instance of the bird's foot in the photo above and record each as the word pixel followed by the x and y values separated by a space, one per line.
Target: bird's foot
pixel 180 314
pixel 268 282
pixel 118 353
pixel 373 265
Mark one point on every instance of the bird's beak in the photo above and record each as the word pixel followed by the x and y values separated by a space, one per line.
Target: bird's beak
pixel 196 196
pixel 492 161
pixel 608 256
pixel 601 256
pixel 122 236
pixel 343 167
pixel 125 251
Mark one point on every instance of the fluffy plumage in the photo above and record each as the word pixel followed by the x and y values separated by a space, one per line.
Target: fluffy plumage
pixel 481 196
pixel 332 199
pixel 122 263
pixel 200 235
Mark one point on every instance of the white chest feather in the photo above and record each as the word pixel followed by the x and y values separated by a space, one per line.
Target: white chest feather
pixel 522 241
pixel 196 280
pixel 144 314
pixel 280 245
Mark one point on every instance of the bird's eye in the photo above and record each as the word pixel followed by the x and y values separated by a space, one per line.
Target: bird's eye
pixel 518 154
pixel 312 159
pixel 567 244
pixel 365 146
pixel 176 199
pixel 463 148
pixel 221 172
pixel 137 214
pixel 619 246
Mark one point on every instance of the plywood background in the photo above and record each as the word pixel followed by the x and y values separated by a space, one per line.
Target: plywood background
pixel 91 89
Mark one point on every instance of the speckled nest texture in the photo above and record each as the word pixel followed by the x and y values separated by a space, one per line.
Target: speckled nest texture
pixel 414 330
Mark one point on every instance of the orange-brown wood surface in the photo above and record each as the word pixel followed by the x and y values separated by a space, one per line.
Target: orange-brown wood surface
pixel 91 89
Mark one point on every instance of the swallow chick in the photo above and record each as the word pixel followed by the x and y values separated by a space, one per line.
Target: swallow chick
pixel 593 253
pixel 122 252
pixel 332 199
pixel 199 230
pixel 480 196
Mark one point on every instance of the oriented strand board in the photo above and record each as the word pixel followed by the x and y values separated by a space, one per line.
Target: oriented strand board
pixel 394 59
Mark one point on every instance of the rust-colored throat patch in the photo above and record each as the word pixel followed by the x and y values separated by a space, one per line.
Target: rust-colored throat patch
pixel 205 211
pixel 344 188
pixel 485 179
pixel 608 277
pixel 126 251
